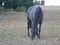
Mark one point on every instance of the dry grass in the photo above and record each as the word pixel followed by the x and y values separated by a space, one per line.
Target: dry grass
pixel 13 28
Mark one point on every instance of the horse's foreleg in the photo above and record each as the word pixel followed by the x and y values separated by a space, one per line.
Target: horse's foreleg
pixel 28 26
pixel 32 34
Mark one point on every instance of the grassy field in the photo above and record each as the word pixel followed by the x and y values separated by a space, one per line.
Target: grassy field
pixel 13 28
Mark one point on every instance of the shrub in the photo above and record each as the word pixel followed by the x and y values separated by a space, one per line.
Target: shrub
pixel 10 10
pixel 2 8
pixel 20 9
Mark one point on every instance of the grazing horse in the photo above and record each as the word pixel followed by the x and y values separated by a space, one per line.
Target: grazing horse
pixel 34 20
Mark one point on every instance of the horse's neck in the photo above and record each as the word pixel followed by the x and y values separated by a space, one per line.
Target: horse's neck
pixel 32 13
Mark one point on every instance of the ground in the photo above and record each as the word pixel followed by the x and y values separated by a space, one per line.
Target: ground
pixel 13 28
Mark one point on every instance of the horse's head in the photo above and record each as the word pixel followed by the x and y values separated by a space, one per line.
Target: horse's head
pixel 35 31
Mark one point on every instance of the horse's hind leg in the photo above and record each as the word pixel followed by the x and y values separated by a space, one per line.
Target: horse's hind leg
pixel 39 30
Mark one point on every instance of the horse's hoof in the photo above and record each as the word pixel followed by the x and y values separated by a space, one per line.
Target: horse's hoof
pixel 32 38
pixel 38 37
pixel 28 35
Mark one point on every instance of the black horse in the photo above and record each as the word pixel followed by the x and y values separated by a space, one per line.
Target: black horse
pixel 34 20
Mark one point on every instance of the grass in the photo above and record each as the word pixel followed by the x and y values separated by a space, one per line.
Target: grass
pixel 13 29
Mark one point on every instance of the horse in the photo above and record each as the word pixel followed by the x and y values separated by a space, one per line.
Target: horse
pixel 34 20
